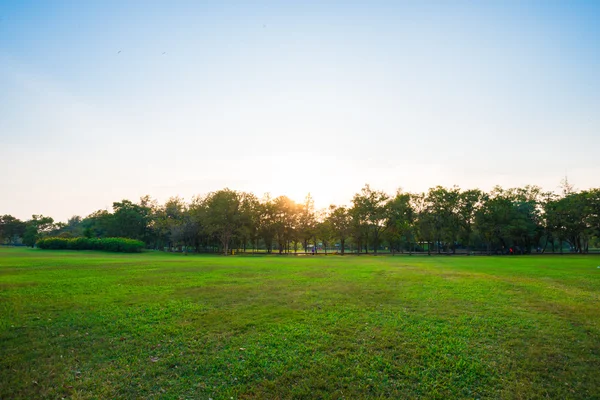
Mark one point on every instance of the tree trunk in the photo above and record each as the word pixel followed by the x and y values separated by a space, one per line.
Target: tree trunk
pixel 375 242
pixel 561 246
pixel 342 245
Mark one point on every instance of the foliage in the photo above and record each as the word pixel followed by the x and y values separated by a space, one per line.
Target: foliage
pixel 400 222
pixel 11 229
pixel 340 224
pixel 224 215
pixel 37 227
pixel 117 245
pixel 370 214
pixel 441 220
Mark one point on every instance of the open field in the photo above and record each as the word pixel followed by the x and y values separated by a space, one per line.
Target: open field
pixel 85 325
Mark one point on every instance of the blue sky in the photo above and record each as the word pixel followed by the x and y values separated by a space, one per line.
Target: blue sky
pixel 321 97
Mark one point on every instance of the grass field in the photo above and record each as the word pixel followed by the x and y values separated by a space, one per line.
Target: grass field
pixel 87 325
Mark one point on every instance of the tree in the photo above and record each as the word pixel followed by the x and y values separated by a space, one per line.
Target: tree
pixel 185 233
pixel 425 223
pixel 469 203
pixel 550 219
pixel 340 222
pixel 129 220
pixel 250 209
pixel 370 211
pixel 306 221
pixel 11 229
pixel 510 218
pixel 284 214
pixel 97 224
pixel 443 206
pixel 72 228
pixel 493 219
pixel 592 205
pixel 526 226
pixel 167 218
pixel 35 228
pixel 571 220
pixel 400 220
pixel 324 232
pixel 267 220
pixel 498 220
pixel 223 215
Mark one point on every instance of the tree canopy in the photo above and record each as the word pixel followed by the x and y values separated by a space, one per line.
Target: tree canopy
pixel 442 220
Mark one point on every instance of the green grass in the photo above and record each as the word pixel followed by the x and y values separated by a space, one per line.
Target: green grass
pixel 88 325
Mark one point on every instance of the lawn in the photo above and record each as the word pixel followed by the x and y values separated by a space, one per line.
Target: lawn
pixel 88 325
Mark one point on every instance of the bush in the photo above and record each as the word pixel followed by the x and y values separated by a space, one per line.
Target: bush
pixel 118 245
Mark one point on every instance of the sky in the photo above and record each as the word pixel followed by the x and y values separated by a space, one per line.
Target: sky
pixel 108 100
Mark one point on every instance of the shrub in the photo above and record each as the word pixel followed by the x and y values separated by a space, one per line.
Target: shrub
pixel 119 245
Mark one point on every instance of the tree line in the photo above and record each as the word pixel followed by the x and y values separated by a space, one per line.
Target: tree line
pixel 441 220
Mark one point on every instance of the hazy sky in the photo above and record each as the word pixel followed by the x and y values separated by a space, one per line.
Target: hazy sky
pixel 321 97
